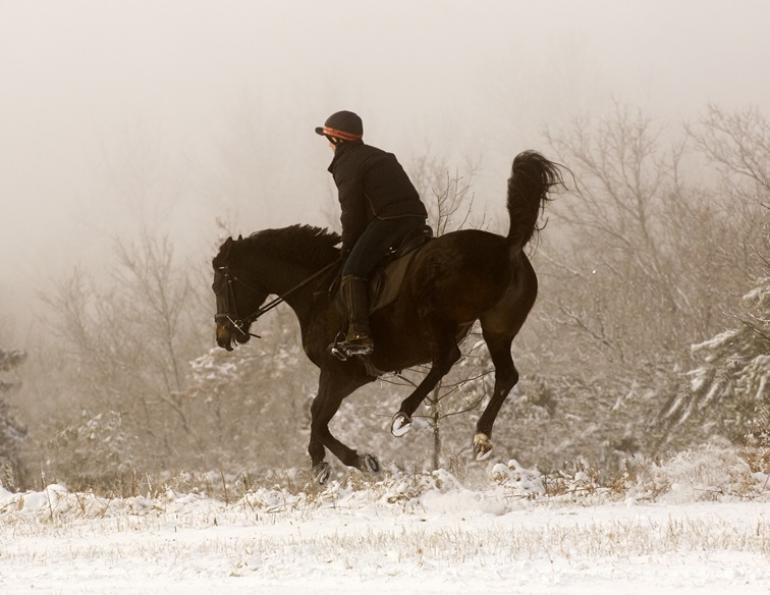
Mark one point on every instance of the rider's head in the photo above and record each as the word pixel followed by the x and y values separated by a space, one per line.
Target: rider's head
pixel 342 127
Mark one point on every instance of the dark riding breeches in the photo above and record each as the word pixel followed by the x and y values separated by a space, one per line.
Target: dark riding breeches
pixel 371 246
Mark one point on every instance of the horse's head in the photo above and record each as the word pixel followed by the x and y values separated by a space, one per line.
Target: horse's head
pixel 239 295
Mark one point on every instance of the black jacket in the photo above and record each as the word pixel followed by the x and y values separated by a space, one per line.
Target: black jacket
pixel 371 184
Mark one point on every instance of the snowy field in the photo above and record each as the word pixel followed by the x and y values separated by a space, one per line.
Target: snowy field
pixel 408 534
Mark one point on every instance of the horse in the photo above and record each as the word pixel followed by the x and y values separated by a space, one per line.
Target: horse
pixel 453 281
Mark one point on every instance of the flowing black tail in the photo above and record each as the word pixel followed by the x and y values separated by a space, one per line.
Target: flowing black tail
pixel 532 176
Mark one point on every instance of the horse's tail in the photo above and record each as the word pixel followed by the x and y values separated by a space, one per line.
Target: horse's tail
pixel 532 176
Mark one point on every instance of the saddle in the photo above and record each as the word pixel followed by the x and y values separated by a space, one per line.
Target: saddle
pixel 384 285
pixel 386 280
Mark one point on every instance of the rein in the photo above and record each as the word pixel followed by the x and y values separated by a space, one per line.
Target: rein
pixel 239 323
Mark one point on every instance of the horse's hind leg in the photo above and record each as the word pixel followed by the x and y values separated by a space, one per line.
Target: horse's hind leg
pixel 333 386
pixel 445 355
pixel 499 326
pixel 506 377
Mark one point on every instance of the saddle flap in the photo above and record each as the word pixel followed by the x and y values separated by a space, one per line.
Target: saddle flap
pixel 385 283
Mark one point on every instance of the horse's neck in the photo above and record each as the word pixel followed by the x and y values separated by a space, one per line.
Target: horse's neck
pixel 280 278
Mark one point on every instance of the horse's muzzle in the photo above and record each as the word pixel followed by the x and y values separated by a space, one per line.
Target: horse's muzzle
pixel 224 337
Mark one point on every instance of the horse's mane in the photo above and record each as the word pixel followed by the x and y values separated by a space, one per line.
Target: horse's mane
pixel 306 245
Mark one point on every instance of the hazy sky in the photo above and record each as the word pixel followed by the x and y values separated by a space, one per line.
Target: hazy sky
pixel 119 116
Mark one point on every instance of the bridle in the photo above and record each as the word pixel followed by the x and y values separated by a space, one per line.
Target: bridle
pixel 230 304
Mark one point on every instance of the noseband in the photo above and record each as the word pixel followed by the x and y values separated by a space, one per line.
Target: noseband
pixel 230 313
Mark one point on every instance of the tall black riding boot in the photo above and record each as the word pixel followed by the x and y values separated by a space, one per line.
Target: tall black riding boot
pixel 355 296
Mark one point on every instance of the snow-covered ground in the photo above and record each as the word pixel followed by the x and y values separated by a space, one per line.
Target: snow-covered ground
pixel 421 534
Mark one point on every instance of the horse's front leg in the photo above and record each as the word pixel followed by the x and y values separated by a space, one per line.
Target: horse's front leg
pixel 445 355
pixel 335 383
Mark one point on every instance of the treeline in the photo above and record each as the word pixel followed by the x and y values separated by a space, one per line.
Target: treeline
pixel 660 233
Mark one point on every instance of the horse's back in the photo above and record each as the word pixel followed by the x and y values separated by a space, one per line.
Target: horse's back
pixel 465 271
pixel 453 280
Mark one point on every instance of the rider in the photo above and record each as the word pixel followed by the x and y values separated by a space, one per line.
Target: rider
pixel 379 208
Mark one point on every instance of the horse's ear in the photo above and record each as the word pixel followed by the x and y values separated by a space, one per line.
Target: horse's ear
pixel 240 236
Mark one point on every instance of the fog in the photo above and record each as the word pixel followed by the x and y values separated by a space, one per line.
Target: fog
pixel 122 117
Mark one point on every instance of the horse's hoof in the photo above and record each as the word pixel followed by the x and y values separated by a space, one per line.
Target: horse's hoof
pixel 368 464
pixel 401 424
pixel 482 446
pixel 321 472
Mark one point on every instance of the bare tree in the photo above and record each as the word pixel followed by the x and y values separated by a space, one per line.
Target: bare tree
pixel 126 349
pixel 451 206
pixel 147 269
pixel 648 252
pixel 12 433
pixel 729 389
pixel 738 144
pixel 447 194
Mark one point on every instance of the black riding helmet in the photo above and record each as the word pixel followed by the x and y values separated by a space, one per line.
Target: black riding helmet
pixel 342 126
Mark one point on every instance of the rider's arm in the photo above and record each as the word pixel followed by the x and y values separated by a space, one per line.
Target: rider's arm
pixel 352 206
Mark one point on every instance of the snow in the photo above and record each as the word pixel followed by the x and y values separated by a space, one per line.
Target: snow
pixel 760 292
pixel 700 376
pixel 715 342
pixel 410 533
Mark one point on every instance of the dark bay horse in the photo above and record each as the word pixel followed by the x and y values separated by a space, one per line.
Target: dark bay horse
pixel 453 281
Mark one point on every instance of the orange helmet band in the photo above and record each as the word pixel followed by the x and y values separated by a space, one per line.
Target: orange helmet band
pixel 341 134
